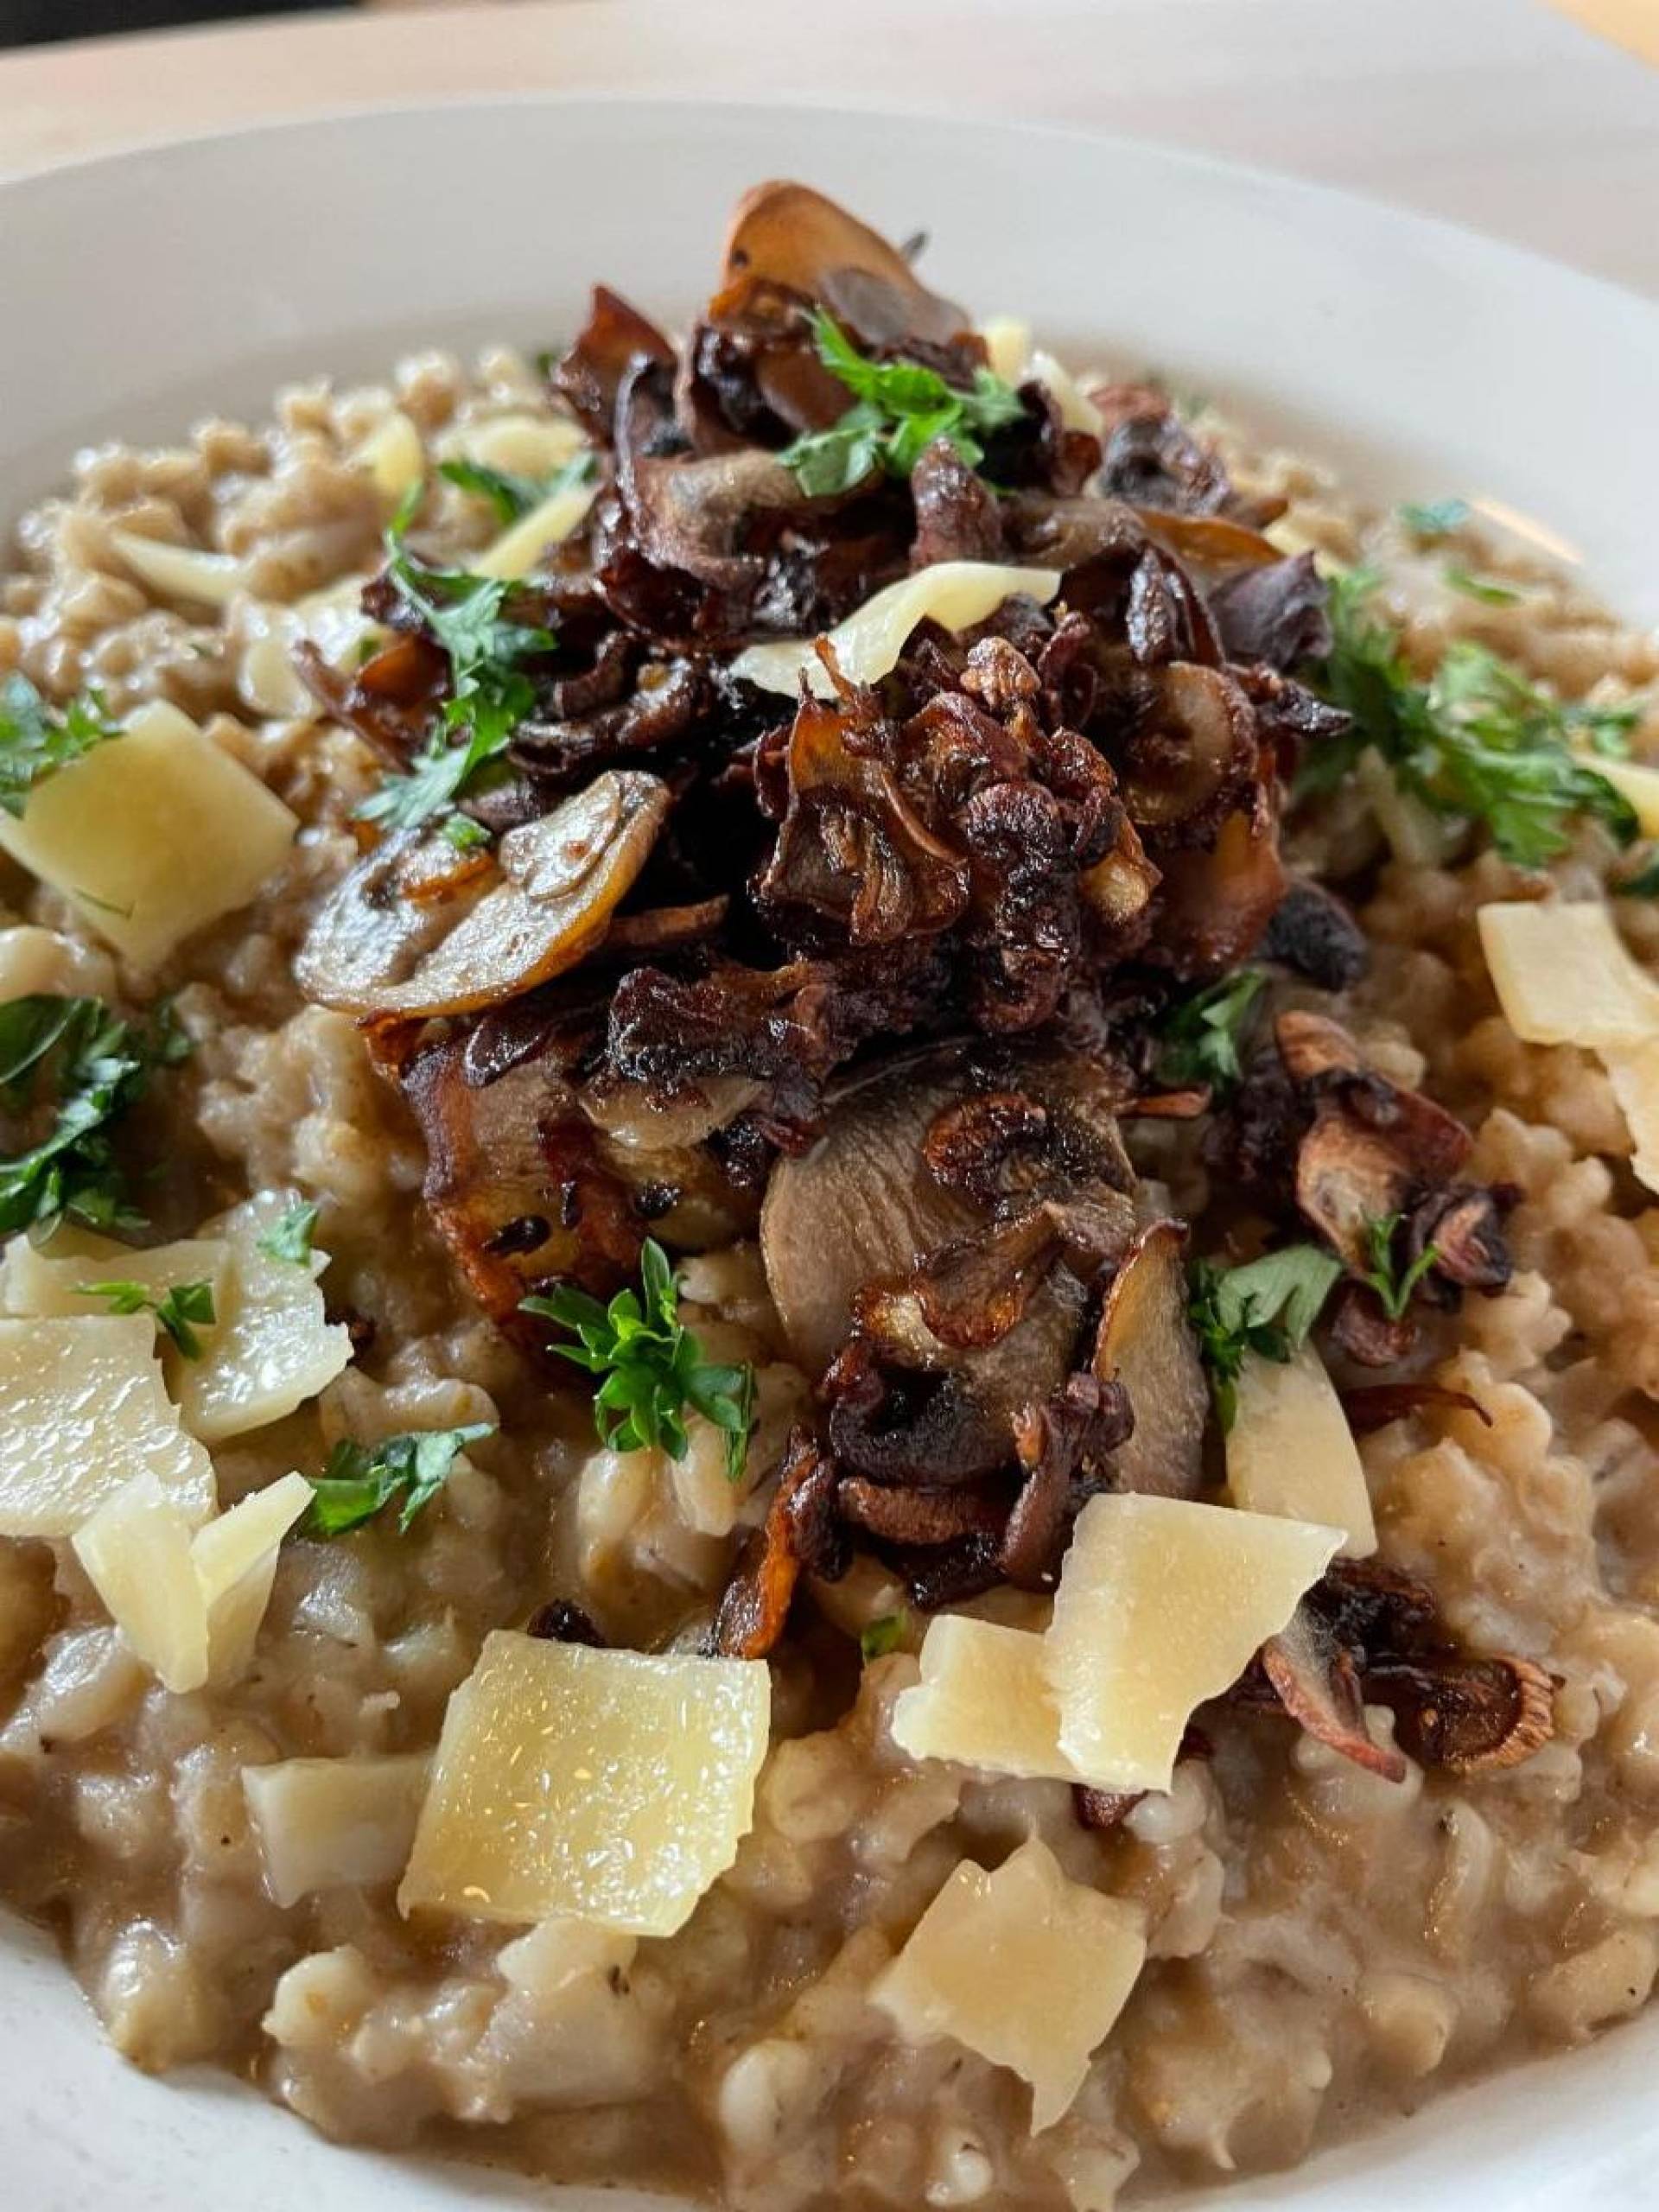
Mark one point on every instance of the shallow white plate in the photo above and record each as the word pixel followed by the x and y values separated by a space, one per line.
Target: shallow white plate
pixel 140 292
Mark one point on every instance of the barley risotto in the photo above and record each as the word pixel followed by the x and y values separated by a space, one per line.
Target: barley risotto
pixel 831 1325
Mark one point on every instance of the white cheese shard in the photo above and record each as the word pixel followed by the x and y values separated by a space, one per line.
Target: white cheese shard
pixel 1027 1967
pixel 51 1278
pixel 520 444
pixel 984 1700
pixel 188 1601
pixel 521 547
pixel 180 571
pixel 1634 1070
pixel 394 457
pixel 273 1347
pixel 1563 976
pixel 83 1409
pixel 1636 781
pixel 153 834
pixel 325 1824
pixel 332 620
pixel 1161 1605
pixel 1007 344
pixel 1077 410
pixel 1291 1452
pixel 954 594
pixel 608 1786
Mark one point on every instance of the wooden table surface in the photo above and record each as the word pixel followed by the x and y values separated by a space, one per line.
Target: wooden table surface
pixel 1502 114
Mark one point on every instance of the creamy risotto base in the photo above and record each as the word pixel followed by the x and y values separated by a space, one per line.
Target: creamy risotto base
pixel 1325 1947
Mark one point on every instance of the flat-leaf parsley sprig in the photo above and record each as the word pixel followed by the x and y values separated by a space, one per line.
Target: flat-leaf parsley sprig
pixel 1268 1307
pixel 178 1311
pixel 653 1366
pixel 1394 1283
pixel 1479 739
pixel 490 693
pixel 900 408
pixel 360 1480
pixel 37 739
pixel 1199 1038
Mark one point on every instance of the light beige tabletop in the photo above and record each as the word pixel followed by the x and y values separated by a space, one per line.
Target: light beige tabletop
pixel 1502 114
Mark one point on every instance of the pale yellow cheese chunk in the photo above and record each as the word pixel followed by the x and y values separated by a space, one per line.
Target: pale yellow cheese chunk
pixel 180 571
pixel 1161 1605
pixel 984 1700
pixel 1563 976
pixel 188 1601
pixel 137 1552
pixel 325 1824
pixel 1636 782
pixel 235 1560
pixel 1027 1967
pixel 954 594
pixel 153 834
pixel 1291 1452
pixel 521 546
pixel 273 1347
pixel 52 1278
pixel 520 444
pixel 83 1409
pixel 1634 1070
pixel 394 457
pixel 608 1786
pixel 332 620
pixel 1007 343
pixel 1077 410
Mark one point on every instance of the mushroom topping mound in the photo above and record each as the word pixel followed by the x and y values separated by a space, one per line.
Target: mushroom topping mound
pixel 862 826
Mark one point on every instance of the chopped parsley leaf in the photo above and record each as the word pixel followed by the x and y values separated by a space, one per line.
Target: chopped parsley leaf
pixel 652 1365
pixel 900 408
pixel 1479 741
pixel 91 1066
pixel 186 1303
pixel 289 1237
pixel 360 1480
pixel 1200 1037
pixel 878 1638
pixel 1431 518
pixel 1643 884
pixel 513 496
pixel 1393 1285
pixel 1489 594
pixel 36 739
pixel 1268 1307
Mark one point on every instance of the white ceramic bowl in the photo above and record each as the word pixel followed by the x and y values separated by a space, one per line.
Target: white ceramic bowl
pixel 139 292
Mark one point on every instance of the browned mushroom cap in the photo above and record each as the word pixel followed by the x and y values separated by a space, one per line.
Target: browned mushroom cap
pixel 788 236
pixel 384 945
pixel 1207 542
pixel 797 1535
pixel 1318 1683
pixel 590 375
pixel 1214 906
pixel 1195 749
pixel 1146 1344
pixel 1072 1435
pixel 1374 1405
pixel 1471 1715
pixel 919 1515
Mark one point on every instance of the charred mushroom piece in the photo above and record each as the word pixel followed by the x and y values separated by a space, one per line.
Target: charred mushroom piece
pixel 1318 1683
pixel 1372 1405
pixel 1064 1448
pixel 1145 1344
pixel 1193 755
pixel 1214 906
pixel 590 375
pixel 382 945
pixel 795 1536
pixel 1313 933
pixel 1472 1716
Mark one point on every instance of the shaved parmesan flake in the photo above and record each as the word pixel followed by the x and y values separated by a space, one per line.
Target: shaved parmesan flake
pixel 1633 781
pixel 82 1411
pixel 984 1700
pixel 519 444
pixel 521 547
pixel 180 571
pixel 49 1277
pixel 954 594
pixel 1078 411
pixel 1291 1452
pixel 1161 1605
pixel 33 959
pixel 153 835
pixel 236 1565
pixel 137 1552
pixel 325 1824
pixel 1634 1070
pixel 332 621
pixel 394 457
pixel 1563 976
pixel 274 1347
pixel 1007 344
pixel 188 1602
pixel 606 1785
pixel 1027 1967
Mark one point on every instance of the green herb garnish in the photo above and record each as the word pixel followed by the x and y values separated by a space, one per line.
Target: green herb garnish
pixel 289 1237
pixel 490 695
pixel 899 409
pixel 1489 594
pixel 1644 884
pixel 878 1638
pixel 360 1480
pixel 1393 1285
pixel 1480 741
pixel 1200 1038
pixel 1268 1307
pixel 1432 519
pixel 92 1066
pixel 513 496
pixel 652 1365
pixel 184 1305
pixel 464 834
pixel 36 741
